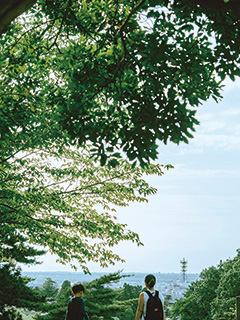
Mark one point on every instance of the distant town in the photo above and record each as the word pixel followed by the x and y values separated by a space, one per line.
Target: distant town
pixel 172 284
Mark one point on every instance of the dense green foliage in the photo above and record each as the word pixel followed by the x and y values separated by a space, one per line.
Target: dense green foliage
pixel 65 200
pixel 130 295
pixel 14 292
pixel 105 302
pixel 58 299
pixel 9 10
pixel 49 289
pixel 50 302
pixel 213 296
pixel 102 301
pixel 51 193
pixel 112 78
pixel 64 293
pixel 103 73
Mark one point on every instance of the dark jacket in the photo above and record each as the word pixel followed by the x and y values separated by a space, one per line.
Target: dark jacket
pixel 76 310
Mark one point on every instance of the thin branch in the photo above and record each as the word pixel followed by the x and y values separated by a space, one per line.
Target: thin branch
pixel 25 156
pixel 6 159
pixel 134 10
pixel 61 26
pixel 78 24
pixel 91 185
pixel 5 205
pixel 58 183
pixel 29 30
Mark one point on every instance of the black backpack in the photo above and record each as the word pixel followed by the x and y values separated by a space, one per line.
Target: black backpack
pixel 154 307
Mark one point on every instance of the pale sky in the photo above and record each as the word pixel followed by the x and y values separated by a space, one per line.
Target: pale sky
pixel 195 214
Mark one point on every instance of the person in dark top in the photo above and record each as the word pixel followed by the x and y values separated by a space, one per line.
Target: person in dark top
pixel 76 307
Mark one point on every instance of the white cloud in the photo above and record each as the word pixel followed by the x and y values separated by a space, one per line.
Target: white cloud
pixel 192 150
pixel 203 142
pixel 185 172
pixel 231 112
pixel 213 121
pixel 213 125
pixel 237 130
pixel 217 141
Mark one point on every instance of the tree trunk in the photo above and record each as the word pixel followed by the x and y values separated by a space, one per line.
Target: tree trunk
pixel 238 308
pixel 10 9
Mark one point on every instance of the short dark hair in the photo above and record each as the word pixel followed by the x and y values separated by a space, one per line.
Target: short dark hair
pixel 150 280
pixel 76 288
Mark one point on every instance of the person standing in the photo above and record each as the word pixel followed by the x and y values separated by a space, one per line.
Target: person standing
pixel 76 307
pixel 151 302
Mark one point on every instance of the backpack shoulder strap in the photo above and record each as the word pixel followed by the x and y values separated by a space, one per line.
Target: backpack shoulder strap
pixel 157 293
pixel 148 293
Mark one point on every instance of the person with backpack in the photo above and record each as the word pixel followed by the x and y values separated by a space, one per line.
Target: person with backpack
pixel 151 302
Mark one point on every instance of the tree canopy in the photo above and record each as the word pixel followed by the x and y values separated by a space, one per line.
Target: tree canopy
pixel 88 81
pixel 123 75
pixel 14 291
pixel 66 203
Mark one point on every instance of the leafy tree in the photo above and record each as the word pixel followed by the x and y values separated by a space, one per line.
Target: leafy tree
pixel 49 289
pixel 196 303
pixel 101 73
pixel 104 302
pixel 167 305
pixel 64 293
pixel 224 304
pixel 129 292
pixel 65 201
pixel 58 306
pixel 14 246
pixel 118 76
pixel 213 296
pixel 14 292
pixel 10 314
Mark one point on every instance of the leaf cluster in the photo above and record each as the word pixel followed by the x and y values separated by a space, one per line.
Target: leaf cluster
pixel 123 75
pixel 66 203
pixel 14 290
pixel 115 78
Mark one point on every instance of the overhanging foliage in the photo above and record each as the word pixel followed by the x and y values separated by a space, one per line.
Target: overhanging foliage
pixel 121 74
pixel 66 202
